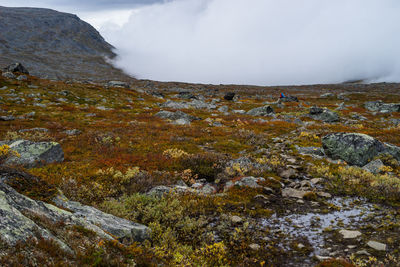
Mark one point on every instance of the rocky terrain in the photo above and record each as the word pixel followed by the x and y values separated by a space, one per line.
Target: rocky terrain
pixel 55 45
pixel 148 173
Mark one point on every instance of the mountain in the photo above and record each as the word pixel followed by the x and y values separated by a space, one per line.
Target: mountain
pixel 55 45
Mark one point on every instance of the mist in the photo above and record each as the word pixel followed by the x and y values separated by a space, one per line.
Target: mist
pixel 262 42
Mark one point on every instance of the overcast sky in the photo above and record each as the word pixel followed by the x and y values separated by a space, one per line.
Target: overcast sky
pixel 263 42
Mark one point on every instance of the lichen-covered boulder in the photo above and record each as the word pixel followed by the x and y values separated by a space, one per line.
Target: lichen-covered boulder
pixel 354 148
pixel 323 114
pixel 16 67
pixel 33 154
pixel 379 106
pixel 261 111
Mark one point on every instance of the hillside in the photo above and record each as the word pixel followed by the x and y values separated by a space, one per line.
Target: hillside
pixel 188 175
pixel 54 45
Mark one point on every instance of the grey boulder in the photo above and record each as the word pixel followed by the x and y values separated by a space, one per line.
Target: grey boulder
pixel 379 106
pixel 323 114
pixel 261 111
pixel 33 154
pixel 355 148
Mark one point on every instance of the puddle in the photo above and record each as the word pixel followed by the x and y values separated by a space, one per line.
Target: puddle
pixel 312 224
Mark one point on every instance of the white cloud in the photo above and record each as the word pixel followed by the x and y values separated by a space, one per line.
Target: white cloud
pixel 261 41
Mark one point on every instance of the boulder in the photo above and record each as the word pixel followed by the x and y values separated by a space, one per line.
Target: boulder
pixel 355 148
pixel 15 224
pixel 250 182
pixel 348 234
pixel 175 105
pixel 377 245
pixel 118 84
pixel 179 117
pixel 33 154
pixel 324 115
pixel 186 95
pixel 16 67
pixel 229 96
pixel 9 75
pixel 118 227
pixel 261 111
pixel 379 106
pixel 293 193
pixel 288 98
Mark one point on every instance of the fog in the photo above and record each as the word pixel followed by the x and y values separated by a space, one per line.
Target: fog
pixel 264 42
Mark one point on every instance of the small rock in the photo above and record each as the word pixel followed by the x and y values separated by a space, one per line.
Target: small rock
pixel 236 219
pixel 22 78
pixel 347 234
pixel 374 166
pixel 290 192
pixel 316 180
pixel 73 132
pixel 288 173
pixel 377 246
pixel 324 194
pixel 16 67
pixel 118 84
pixel 7 118
pixel 261 111
pixel 254 246
pixel 363 252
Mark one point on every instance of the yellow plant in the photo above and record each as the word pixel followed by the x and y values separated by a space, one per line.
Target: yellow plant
pixel 175 153
pixel 236 169
pixel 5 152
pixel 118 175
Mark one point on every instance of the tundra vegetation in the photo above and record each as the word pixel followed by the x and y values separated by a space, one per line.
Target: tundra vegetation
pixel 220 187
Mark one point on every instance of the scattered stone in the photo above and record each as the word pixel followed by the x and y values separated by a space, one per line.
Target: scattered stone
pixel 288 173
pixel 290 192
pixel 229 96
pixel 324 194
pixel 316 180
pixel 250 182
pixel 261 111
pixel 377 246
pixel 347 234
pixel 33 154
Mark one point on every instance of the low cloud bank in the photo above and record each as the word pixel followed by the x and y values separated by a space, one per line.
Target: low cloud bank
pixel 264 42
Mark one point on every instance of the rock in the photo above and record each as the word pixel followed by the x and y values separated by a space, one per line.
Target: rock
pixel 159 191
pixel 73 132
pixel 379 106
pixel 347 234
pixel 288 98
pixel 7 118
pixel 22 78
pixel 312 151
pixel 290 192
pixel 175 116
pixel 16 67
pixel 118 84
pixel 183 121
pixel 33 154
pixel 223 109
pixel 236 219
pixel 377 246
pixel 15 226
pixel 261 111
pixel 186 95
pixel 288 173
pixel 255 247
pixel 316 180
pixel 324 194
pixel 207 189
pixel 43 130
pixel 8 75
pixel 118 227
pixel 229 96
pixel 327 95
pixel 324 115
pixel 363 252
pixel 374 166
pixel 250 182
pixel 175 105
pixel 356 149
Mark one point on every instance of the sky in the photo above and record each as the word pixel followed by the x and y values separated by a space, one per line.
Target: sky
pixel 263 42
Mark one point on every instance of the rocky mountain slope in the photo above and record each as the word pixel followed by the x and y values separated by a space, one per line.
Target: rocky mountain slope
pixel 198 175
pixel 54 45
